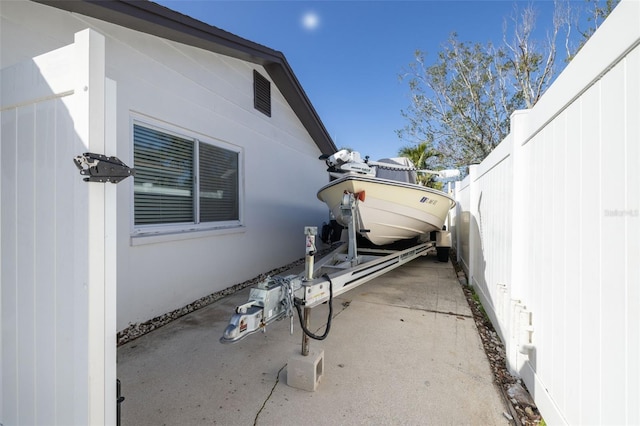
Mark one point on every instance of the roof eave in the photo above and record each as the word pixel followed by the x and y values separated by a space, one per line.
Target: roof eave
pixel 157 20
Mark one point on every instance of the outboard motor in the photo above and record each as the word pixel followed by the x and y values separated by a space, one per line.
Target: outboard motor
pixel 339 158
pixel 344 161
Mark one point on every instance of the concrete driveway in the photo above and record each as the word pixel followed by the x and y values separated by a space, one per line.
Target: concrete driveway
pixel 403 350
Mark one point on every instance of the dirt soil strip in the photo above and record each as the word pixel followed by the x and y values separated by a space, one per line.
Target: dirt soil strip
pixel 523 410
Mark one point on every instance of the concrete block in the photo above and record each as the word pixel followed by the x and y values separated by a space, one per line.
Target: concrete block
pixel 305 372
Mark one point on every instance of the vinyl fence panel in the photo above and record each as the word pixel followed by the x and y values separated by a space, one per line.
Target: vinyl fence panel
pixel 553 241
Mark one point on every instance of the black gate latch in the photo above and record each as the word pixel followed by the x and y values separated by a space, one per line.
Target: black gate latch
pixel 100 168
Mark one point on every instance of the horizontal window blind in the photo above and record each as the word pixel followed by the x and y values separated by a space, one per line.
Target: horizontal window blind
pixel 163 184
pixel 218 184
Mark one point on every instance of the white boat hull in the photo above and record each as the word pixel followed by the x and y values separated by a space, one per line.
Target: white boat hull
pixel 388 210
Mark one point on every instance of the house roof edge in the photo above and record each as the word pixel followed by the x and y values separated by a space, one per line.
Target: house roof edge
pixel 152 18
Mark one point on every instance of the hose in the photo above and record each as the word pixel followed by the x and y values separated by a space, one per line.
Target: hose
pixel 297 302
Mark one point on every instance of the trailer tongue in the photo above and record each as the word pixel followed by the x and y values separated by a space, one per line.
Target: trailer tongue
pixel 276 297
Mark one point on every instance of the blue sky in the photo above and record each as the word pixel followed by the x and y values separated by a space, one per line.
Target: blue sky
pixel 348 55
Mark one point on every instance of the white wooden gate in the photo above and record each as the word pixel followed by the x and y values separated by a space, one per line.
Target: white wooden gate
pixel 57 257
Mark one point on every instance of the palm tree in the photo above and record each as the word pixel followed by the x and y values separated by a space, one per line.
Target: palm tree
pixel 424 156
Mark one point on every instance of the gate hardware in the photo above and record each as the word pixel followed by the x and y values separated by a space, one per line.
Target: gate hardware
pixel 100 168
pixel 119 400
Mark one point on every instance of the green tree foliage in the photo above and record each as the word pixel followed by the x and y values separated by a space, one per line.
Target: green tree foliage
pixel 424 157
pixel 461 100
pixel 531 63
pixel 596 12
pixel 460 104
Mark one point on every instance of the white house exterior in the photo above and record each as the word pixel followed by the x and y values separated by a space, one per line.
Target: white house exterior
pixel 226 181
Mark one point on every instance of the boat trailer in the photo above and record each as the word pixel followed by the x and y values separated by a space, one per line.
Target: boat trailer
pixel 344 269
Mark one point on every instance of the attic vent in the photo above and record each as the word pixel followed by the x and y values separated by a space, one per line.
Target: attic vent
pixel 261 93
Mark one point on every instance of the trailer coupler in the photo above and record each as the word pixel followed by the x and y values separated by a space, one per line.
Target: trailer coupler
pixel 243 324
pixel 272 300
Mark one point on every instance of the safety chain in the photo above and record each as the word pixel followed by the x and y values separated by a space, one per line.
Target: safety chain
pixel 287 287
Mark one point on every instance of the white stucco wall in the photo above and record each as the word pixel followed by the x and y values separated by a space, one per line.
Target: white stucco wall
pixel 207 94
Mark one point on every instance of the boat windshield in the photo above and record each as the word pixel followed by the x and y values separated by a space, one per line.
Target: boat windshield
pixel 395 170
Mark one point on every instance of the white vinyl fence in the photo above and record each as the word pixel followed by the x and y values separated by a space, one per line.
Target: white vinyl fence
pixel 548 230
pixel 57 286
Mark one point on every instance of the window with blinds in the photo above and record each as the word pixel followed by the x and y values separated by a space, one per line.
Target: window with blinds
pixel 218 184
pixel 182 180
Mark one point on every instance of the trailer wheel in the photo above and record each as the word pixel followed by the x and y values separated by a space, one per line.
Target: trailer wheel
pixel 443 254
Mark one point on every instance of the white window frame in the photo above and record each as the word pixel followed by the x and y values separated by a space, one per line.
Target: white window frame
pixel 173 231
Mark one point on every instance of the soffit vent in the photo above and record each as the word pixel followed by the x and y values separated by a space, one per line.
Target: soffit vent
pixel 261 93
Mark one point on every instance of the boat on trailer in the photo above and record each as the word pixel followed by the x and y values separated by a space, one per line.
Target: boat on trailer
pixel 390 204
pixel 349 265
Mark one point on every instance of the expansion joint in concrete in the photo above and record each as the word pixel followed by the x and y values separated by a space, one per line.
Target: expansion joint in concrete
pixel 433 311
pixel 453 314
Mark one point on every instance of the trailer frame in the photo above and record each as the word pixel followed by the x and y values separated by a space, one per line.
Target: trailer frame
pixel 342 270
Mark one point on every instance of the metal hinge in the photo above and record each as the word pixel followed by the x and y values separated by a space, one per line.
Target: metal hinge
pixel 100 168
pixel 119 401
